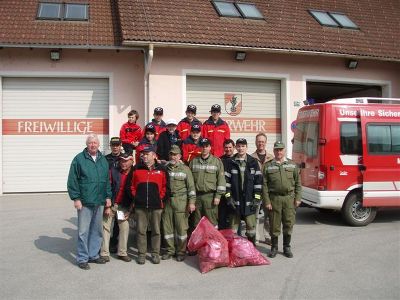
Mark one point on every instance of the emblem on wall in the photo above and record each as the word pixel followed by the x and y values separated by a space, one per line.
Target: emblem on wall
pixel 233 103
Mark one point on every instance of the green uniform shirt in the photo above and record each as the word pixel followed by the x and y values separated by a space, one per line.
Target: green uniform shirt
pixel 208 175
pixel 281 179
pixel 242 166
pixel 181 182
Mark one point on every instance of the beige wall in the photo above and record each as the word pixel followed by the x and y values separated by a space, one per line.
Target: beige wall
pixel 124 68
pixel 170 67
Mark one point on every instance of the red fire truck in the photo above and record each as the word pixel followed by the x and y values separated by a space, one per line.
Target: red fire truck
pixel 349 154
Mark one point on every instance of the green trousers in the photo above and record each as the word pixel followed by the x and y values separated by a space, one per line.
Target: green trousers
pixel 251 222
pixel 175 226
pixel 205 207
pixel 144 217
pixel 283 214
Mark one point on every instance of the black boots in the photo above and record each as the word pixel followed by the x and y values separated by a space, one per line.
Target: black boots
pixel 252 239
pixel 274 246
pixel 286 246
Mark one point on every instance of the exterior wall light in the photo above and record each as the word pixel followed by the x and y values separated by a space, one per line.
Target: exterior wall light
pixel 352 64
pixel 241 56
pixel 55 55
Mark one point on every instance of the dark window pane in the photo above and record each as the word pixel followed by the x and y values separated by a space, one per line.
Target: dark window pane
pixel 76 11
pixel 49 11
pixel 311 139
pixel 249 11
pixel 350 138
pixel 379 139
pixel 226 9
pixel 343 20
pixel 395 129
pixel 323 18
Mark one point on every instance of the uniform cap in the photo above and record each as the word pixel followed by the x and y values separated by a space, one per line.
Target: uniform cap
pixel 150 127
pixel 171 122
pixel 115 141
pixel 148 148
pixel 195 127
pixel 215 108
pixel 279 145
pixel 241 141
pixel 191 108
pixel 204 142
pixel 175 149
pixel 125 156
pixel 158 111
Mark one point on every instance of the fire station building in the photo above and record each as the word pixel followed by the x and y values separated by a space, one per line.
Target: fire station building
pixel 76 67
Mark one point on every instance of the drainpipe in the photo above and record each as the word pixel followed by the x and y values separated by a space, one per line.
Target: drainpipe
pixel 148 58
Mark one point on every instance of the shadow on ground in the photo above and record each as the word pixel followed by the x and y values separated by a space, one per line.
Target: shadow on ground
pixel 64 247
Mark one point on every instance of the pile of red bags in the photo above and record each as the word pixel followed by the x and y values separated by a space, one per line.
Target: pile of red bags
pixel 212 247
pixel 222 248
pixel 242 252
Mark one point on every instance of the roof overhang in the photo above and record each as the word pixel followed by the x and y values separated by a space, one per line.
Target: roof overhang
pixel 255 49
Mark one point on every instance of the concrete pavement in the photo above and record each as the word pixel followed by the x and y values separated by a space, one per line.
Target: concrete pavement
pixel 331 261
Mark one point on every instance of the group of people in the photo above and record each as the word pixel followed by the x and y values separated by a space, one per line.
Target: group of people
pixel 171 174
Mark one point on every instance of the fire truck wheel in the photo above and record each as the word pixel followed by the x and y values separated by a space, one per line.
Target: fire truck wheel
pixel 354 213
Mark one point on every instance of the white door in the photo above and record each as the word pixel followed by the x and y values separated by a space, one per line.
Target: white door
pixel 248 105
pixel 45 124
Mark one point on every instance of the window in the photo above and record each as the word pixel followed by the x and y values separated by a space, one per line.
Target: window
pixel 333 19
pixel 306 138
pixel 226 9
pixel 249 11
pixel 383 139
pixel 350 138
pixel 63 11
pixel 49 11
pixel 343 20
pixel 76 11
pixel 237 10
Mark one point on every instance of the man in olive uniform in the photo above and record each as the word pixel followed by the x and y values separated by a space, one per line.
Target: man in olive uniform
pixel 178 206
pixel 243 189
pixel 209 179
pixel 281 196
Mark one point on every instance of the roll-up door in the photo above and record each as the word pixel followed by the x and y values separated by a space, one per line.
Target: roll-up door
pixel 45 124
pixel 248 105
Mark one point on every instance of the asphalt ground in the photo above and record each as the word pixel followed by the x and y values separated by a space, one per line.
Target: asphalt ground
pixel 331 261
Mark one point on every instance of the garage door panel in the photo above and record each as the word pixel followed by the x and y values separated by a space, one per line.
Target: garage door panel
pixel 40 140
pixel 260 109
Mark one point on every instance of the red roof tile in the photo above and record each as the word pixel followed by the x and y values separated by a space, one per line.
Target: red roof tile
pixel 287 25
pixel 18 25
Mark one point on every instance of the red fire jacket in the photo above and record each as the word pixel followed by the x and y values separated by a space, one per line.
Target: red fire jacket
pixel 184 127
pixel 217 133
pixel 190 150
pixel 159 127
pixel 130 132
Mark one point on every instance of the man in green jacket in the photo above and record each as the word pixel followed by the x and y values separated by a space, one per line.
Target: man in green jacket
pixel 89 187
pixel 209 179
pixel 281 196
pixel 178 206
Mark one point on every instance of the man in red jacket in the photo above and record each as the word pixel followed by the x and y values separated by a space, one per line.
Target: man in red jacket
pixel 158 122
pixel 150 190
pixel 216 130
pixel 130 132
pixel 190 146
pixel 186 124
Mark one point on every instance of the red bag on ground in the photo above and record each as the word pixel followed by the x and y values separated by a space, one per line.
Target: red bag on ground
pixel 212 247
pixel 242 252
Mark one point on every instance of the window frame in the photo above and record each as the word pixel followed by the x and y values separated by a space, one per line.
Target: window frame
pixel 60 11
pixel 331 14
pixel 85 5
pixel 219 11
pixel 243 14
pixel 63 11
pixel 391 153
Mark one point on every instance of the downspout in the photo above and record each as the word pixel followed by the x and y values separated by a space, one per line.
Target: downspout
pixel 148 59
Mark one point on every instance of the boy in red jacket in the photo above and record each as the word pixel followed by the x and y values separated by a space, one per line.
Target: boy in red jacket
pixel 130 132
pixel 186 124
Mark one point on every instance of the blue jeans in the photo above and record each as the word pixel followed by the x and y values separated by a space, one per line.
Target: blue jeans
pixel 90 233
